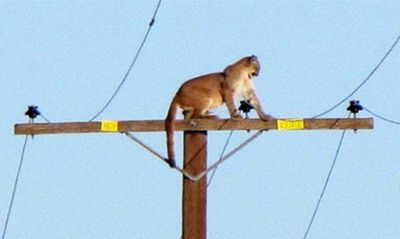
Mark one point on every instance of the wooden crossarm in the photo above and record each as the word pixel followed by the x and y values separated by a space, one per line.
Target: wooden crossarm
pixel 192 125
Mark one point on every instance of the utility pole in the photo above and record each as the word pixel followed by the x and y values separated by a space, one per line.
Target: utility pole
pixel 194 193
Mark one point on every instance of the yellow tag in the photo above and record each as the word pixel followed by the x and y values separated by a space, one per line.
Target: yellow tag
pixel 290 124
pixel 109 126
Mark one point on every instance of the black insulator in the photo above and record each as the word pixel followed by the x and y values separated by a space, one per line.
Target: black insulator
pixel 32 111
pixel 245 106
pixel 354 106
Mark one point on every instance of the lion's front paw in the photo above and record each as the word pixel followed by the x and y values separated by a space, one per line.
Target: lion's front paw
pixel 266 117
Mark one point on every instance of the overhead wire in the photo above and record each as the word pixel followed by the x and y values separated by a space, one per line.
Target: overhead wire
pixel 15 187
pixel 44 118
pixel 229 154
pixel 314 214
pixel 152 21
pixel 325 185
pixel 381 117
pixel 363 82
pixel 220 157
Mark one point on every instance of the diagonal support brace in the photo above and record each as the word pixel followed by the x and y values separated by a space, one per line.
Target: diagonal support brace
pixel 199 176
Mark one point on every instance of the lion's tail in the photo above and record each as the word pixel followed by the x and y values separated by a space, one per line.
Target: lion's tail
pixel 169 128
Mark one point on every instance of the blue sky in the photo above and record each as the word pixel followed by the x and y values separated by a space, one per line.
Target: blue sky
pixel 67 57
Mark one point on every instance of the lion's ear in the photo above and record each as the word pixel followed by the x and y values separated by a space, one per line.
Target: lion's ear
pixel 252 58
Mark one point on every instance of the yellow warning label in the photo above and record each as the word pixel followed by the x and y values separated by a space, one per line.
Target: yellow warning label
pixel 290 124
pixel 109 126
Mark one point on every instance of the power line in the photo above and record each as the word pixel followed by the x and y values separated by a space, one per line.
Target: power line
pixel 363 82
pixel 220 157
pixel 15 187
pixel 228 155
pixel 131 66
pixel 382 118
pixel 325 186
pixel 45 118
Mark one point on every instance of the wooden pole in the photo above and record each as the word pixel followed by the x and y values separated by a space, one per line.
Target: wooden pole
pixel 194 198
pixel 194 193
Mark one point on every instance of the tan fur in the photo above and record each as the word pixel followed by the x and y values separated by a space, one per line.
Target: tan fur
pixel 201 94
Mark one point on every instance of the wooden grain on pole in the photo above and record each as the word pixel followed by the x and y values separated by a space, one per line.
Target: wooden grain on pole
pixel 187 125
pixel 194 193
pixel 194 203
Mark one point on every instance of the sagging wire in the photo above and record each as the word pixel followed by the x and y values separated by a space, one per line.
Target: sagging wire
pixel 220 156
pixel 314 214
pixel 228 155
pixel 32 113
pixel 382 118
pixel 245 107
pixel 15 187
pixel 363 82
pixel 152 21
